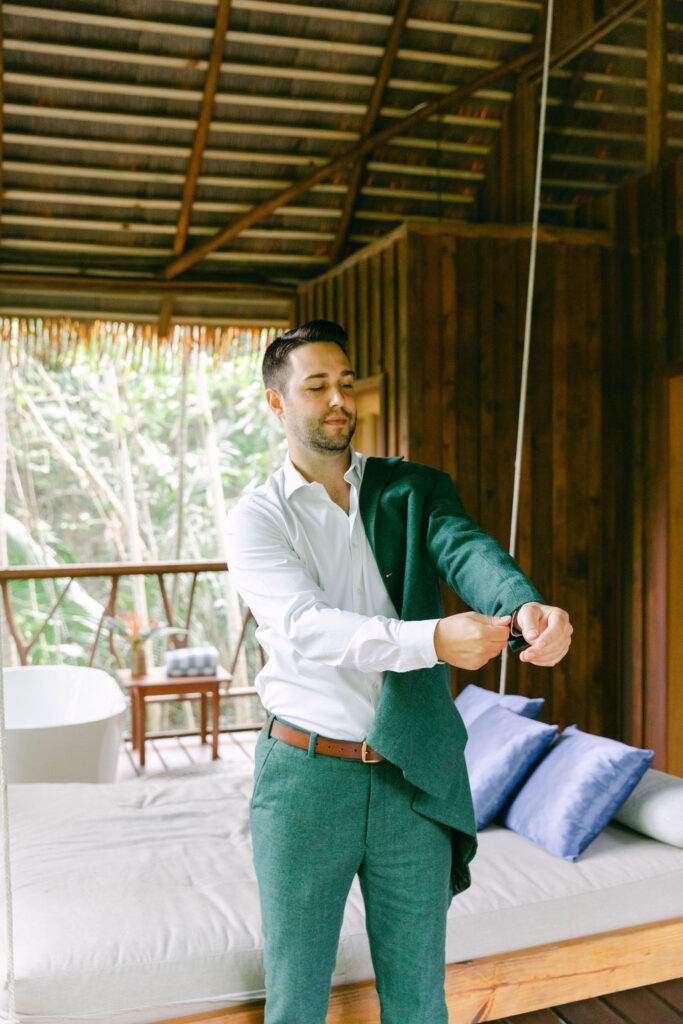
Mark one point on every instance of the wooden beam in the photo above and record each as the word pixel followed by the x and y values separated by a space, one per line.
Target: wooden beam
pixel 165 314
pixel 368 126
pixel 492 987
pixel 203 125
pixel 351 156
pixel 133 286
pixel 655 129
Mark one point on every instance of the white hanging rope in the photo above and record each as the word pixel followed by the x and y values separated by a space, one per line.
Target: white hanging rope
pixel 529 307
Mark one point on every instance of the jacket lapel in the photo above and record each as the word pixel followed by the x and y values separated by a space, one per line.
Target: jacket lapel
pixel 376 475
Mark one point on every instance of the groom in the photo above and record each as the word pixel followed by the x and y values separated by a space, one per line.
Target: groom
pixel 360 769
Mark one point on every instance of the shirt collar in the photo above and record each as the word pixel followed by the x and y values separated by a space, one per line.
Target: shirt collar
pixel 294 480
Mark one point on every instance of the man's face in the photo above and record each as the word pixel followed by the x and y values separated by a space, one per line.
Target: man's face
pixel 318 407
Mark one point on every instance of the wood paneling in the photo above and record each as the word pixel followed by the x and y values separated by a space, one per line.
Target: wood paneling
pixel 674 702
pixel 648 227
pixel 440 310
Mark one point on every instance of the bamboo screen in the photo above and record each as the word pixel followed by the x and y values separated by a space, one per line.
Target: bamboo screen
pixel 60 339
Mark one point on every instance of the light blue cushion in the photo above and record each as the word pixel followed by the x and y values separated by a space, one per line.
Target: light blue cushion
pixel 579 785
pixel 502 748
pixel 474 700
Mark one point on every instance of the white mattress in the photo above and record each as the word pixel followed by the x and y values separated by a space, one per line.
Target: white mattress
pixel 137 901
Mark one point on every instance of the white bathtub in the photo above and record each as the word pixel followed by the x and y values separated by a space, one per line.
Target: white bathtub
pixel 64 724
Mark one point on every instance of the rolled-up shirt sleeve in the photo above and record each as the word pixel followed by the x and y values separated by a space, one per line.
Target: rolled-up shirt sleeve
pixel 284 597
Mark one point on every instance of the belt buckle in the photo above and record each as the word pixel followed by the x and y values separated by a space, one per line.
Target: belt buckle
pixel 364 758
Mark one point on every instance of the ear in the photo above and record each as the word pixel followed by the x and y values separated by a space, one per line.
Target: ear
pixel 274 400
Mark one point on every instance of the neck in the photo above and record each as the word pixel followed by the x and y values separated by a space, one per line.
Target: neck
pixel 326 468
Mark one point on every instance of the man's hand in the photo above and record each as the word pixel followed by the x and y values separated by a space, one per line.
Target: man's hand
pixel 547 630
pixel 469 640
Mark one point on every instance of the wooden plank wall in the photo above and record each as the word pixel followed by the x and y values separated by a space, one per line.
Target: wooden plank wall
pixel 647 214
pixel 467 298
pixel 365 295
pixel 440 311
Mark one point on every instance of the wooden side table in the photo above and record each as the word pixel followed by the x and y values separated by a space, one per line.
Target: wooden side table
pixel 155 683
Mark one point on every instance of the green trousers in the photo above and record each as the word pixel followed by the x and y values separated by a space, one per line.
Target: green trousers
pixel 316 822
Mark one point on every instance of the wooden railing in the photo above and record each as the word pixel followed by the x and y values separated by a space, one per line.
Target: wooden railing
pixel 114 570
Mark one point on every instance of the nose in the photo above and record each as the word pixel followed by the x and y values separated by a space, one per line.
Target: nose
pixel 337 397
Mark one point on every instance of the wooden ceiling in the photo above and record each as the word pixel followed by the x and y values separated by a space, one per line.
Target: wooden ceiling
pixel 205 156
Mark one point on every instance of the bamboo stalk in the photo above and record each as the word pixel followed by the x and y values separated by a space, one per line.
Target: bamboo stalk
pixel 132 526
pixel 232 605
pixel 53 609
pixel 182 450
pixel 84 456
pixel 143 444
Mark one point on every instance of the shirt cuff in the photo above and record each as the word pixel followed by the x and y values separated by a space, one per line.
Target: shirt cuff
pixel 416 640
pixel 515 632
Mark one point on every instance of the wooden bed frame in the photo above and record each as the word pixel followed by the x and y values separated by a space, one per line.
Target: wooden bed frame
pixel 528 979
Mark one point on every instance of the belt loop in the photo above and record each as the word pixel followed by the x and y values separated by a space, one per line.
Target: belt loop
pixel 269 725
pixel 311 744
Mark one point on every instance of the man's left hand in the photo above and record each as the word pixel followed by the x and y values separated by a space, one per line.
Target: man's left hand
pixel 547 630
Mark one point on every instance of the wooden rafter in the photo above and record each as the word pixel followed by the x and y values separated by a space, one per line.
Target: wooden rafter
pixel 352 155
pixel 368 126
pixel 213 73
pixel 655 130
pixel 132 286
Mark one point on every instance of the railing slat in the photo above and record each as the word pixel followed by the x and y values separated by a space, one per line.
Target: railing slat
pixel 75 569
pixel 54 608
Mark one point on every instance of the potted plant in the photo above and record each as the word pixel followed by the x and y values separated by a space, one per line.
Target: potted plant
pixel 131 626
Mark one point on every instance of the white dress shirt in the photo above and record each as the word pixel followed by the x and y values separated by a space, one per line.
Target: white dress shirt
pixel 325 619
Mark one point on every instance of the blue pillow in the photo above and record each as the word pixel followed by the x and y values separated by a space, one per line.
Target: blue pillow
pixel 502 747
pixel 579 785
pixel 474 700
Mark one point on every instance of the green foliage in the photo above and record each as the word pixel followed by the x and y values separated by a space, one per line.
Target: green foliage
pixel 59 426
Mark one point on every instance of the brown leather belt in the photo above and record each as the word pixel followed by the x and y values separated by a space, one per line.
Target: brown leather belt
pixel 333 748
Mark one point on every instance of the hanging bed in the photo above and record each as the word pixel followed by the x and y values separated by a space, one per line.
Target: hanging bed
pixel 137 902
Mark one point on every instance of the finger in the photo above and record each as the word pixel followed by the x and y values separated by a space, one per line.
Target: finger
pixel 529 619
pixel 493 620
pixel 557 632
pixel 546 658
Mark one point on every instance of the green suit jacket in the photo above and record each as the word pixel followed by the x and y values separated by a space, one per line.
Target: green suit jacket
pixel 420 534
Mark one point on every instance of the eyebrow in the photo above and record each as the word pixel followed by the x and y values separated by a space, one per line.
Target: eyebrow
pixel 322 376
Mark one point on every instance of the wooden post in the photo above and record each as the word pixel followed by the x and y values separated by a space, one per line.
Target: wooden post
pixel 232 606
pixel 656 83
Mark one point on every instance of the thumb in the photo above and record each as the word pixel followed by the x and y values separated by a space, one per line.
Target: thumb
pixel 529 619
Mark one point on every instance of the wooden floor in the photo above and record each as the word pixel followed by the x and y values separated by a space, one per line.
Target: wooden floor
pixel 655 1004
pixel 173 754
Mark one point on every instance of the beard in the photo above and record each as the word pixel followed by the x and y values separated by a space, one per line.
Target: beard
pixel 321 438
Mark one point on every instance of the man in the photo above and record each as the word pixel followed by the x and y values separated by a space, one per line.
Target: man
pixel 360 769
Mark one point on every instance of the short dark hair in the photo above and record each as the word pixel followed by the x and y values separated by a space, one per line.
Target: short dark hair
pixel 274 367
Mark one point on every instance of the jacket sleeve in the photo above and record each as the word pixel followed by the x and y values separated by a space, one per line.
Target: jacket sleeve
pixel 290 607
pixel 471 562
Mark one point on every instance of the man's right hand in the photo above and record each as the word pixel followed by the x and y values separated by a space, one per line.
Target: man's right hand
pixel 469 640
